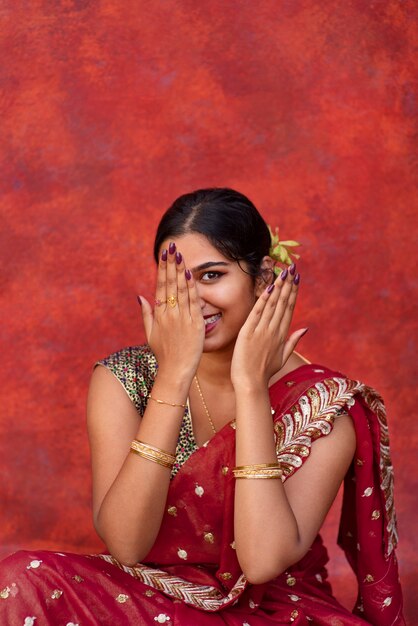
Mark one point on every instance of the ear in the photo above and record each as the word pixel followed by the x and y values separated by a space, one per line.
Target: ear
pixel 266 276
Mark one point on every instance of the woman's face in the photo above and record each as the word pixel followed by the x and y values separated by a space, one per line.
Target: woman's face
pixel 226 293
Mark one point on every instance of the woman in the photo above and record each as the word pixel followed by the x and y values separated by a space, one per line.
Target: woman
pixel 217 451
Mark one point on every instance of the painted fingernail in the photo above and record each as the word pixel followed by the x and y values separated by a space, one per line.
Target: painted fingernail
pixel 179 258
pixel 283 275
pixel 296 279
pixel 164 255
pixel 292 269
pixel 270 288
pixel 139 300
pixel 188 274
pixel 172 248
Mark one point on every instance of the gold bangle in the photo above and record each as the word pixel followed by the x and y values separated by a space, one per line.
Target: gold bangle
pixel 183 406
pixel 258 470
pixel 156 455
pixel 257 466
pixel 268 473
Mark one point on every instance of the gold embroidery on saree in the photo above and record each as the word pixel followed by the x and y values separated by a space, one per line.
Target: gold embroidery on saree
pixel 310 418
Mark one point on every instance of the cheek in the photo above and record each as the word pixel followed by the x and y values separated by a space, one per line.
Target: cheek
pixel 240 302
pixel 235 296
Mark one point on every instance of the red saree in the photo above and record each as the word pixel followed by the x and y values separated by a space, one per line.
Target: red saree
pixel 192 576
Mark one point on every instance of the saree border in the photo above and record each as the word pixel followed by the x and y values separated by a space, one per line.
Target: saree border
pixel 203 597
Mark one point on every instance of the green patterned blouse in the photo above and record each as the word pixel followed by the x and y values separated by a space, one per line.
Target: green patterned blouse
pixel 135 368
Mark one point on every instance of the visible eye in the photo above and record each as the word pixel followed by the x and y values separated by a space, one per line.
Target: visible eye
pixel 210 276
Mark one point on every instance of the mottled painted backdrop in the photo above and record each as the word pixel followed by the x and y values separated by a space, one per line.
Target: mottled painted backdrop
pixel 109 110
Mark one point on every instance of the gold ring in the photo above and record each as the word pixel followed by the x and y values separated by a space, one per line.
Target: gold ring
pixel 159 302
pixel 172 301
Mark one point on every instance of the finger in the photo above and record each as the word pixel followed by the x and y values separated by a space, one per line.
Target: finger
pixel 160 291
pixel 289 305
pixel 171 284
pixel 194 301
pixel 283 312
pixel 292 342
pixel 182 290
pixel 147 316
pixel 276 299
pixel 257 312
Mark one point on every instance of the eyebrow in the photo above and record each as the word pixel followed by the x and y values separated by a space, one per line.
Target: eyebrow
pixel 209 264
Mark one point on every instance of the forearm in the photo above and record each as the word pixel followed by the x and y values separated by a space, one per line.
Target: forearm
pixel 266 532
pixel 130 515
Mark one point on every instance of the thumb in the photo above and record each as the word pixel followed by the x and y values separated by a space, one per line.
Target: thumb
pixel 147 315
pixel 292 342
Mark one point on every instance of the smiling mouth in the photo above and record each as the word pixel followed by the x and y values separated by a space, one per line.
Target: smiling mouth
pixel 212 319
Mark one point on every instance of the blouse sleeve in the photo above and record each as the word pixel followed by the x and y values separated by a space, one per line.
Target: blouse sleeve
pixel 135 368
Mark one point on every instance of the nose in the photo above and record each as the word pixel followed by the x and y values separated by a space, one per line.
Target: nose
pixel 202 301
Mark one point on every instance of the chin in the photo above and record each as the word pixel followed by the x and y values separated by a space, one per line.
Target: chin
pixel 215 344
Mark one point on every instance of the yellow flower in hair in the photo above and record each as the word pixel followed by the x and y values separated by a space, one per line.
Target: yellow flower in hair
pixel 282 251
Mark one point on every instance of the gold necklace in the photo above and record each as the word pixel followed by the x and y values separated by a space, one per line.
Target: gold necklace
pixel 204 405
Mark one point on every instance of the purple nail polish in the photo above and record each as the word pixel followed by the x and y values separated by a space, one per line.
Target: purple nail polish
pixel 164 255
pixel 296 279
pixel 283 275
pixel 292 269
pixel 139 300
pixel 270 288
pixel 188 274
pixel 172 248
pixel 179 258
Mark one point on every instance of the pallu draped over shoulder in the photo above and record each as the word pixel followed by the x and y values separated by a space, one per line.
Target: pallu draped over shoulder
pixel 192 577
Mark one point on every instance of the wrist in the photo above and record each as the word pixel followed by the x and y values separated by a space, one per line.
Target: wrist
pixel 252 403
pixel 250 387
pixel 172 384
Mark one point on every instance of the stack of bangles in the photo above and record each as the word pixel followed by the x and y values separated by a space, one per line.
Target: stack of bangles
pixel 152 454
pixel 261 470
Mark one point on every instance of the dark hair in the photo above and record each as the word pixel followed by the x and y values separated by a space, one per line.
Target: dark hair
pixel 226 217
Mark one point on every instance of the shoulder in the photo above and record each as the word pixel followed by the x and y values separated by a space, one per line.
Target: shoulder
pixel 135 367
pixel 294 362
pixel 299 369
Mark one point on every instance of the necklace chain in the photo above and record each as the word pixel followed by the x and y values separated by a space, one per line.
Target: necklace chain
pixel 204 405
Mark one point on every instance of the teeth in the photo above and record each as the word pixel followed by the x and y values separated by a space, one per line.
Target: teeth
pixel 210 320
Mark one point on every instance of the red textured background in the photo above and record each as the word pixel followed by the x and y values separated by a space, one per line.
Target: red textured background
pixel 109 110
